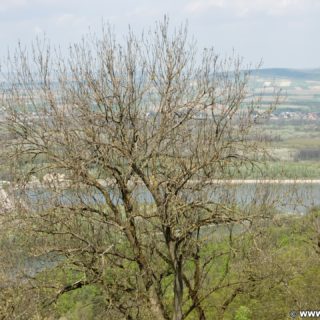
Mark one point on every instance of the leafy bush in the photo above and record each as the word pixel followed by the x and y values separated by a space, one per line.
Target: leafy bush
pixel 243 313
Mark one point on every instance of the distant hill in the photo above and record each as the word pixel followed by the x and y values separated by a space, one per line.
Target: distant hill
pixel 299 74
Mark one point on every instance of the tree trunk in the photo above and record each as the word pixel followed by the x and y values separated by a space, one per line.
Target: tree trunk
pixel 178 290
pixel 156 305
pixel 201 314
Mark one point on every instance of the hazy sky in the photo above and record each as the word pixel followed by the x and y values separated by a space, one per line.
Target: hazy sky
pixel 283 33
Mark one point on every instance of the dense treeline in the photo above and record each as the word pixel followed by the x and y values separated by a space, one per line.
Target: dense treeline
pixel 307 154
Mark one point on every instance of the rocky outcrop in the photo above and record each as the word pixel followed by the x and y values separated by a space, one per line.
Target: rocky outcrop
pixel 5 202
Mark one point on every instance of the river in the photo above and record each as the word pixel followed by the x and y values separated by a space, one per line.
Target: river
pixel 287 197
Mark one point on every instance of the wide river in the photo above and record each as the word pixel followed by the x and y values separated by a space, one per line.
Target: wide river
pixel 287 196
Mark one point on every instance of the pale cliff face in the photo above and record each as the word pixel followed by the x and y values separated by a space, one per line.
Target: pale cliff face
pixel 5 202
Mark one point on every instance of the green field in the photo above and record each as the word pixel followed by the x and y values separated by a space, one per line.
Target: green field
pixel 295 139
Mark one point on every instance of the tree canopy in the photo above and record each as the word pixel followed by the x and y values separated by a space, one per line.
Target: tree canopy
pixel 120 154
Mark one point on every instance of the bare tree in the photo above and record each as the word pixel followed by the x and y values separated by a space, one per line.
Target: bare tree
pixel 120 153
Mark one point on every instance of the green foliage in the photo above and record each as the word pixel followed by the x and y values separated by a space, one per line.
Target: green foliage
pixel 84 303
pixel 290 254
pixel 243 313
